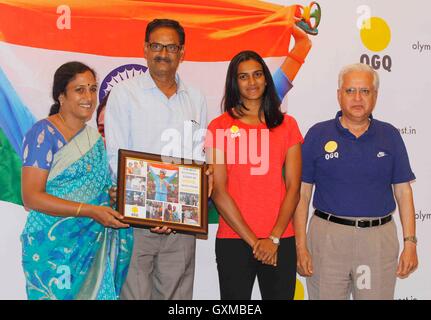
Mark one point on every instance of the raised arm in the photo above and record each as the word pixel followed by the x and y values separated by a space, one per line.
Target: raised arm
pixel 152 173
pixel 171 177
pixel 295 57
pixel 284 75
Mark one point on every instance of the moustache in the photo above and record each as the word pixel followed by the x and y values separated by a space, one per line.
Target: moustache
pixel 164 59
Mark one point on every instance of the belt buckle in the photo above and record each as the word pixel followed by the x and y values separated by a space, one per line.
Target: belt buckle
pixel 358 221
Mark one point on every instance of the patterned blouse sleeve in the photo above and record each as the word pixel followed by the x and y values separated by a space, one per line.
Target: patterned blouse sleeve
pixel 39 145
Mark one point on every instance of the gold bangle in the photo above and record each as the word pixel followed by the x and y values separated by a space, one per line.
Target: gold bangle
pixel 78 211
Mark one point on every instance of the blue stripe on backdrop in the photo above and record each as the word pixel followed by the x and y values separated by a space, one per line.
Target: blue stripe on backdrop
pixel 15 118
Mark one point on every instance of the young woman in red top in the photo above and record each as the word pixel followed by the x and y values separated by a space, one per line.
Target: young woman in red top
pixel 249 145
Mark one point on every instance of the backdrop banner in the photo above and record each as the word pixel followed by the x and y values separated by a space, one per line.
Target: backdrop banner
pixel 37 36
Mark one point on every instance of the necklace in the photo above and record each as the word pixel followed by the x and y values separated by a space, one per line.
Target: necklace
pixel 76 143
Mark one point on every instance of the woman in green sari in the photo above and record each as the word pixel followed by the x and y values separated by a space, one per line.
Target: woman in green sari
pixel 74 245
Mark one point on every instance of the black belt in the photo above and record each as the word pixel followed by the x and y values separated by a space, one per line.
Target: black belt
pixel 353 223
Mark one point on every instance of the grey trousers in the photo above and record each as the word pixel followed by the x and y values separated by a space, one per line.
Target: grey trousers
pixel 349 260
pixel 162 267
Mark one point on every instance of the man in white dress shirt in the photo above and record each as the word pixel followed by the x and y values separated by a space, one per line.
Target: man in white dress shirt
pixel 158 113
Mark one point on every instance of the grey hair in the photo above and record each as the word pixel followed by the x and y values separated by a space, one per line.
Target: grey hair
pixel 358 67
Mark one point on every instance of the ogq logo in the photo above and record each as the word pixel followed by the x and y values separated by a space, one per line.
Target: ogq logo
pixel 375 35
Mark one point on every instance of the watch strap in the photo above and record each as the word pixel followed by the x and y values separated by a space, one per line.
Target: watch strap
pixel 411 239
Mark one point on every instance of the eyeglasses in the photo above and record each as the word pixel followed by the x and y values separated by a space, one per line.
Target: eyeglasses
pixel 362 91
pixel 171 48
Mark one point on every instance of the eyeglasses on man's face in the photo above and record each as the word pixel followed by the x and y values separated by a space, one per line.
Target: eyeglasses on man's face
pixel 364 92
pixel 157 47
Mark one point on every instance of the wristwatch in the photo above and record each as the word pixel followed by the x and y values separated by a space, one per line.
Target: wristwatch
pixel 275 240
pixel 412 239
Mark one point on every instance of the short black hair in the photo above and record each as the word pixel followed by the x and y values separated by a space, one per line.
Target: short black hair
pixel 165 23
pixel 270 106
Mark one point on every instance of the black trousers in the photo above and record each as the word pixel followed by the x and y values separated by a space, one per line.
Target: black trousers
pixel 238 269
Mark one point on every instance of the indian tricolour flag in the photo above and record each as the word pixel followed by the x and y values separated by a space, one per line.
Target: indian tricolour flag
pixel 37 36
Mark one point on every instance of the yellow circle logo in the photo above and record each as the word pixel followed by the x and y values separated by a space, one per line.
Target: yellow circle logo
pixel 234 129
pixel 135 210
pixel 331 146
pixel 299 291
pixel 375 34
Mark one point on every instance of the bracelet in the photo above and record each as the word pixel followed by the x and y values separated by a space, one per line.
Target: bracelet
pixel 298 59
pixel 78 211
pixel 412 239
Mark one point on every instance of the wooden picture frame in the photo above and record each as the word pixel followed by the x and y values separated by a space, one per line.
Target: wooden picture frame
pixel 156 191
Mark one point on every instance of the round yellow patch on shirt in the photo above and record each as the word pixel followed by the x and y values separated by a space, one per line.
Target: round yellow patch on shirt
pixel 234 129
pixel 331 146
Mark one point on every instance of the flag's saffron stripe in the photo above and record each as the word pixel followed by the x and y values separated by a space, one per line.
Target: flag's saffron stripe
pixel 215 30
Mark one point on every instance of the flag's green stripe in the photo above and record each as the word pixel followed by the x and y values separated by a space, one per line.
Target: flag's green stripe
pixel 212 213
pixel 10 172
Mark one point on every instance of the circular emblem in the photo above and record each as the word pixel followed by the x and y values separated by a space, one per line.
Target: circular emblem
pixel 234 129
pixel 375 34
pixel 331 146
pixel 119 74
